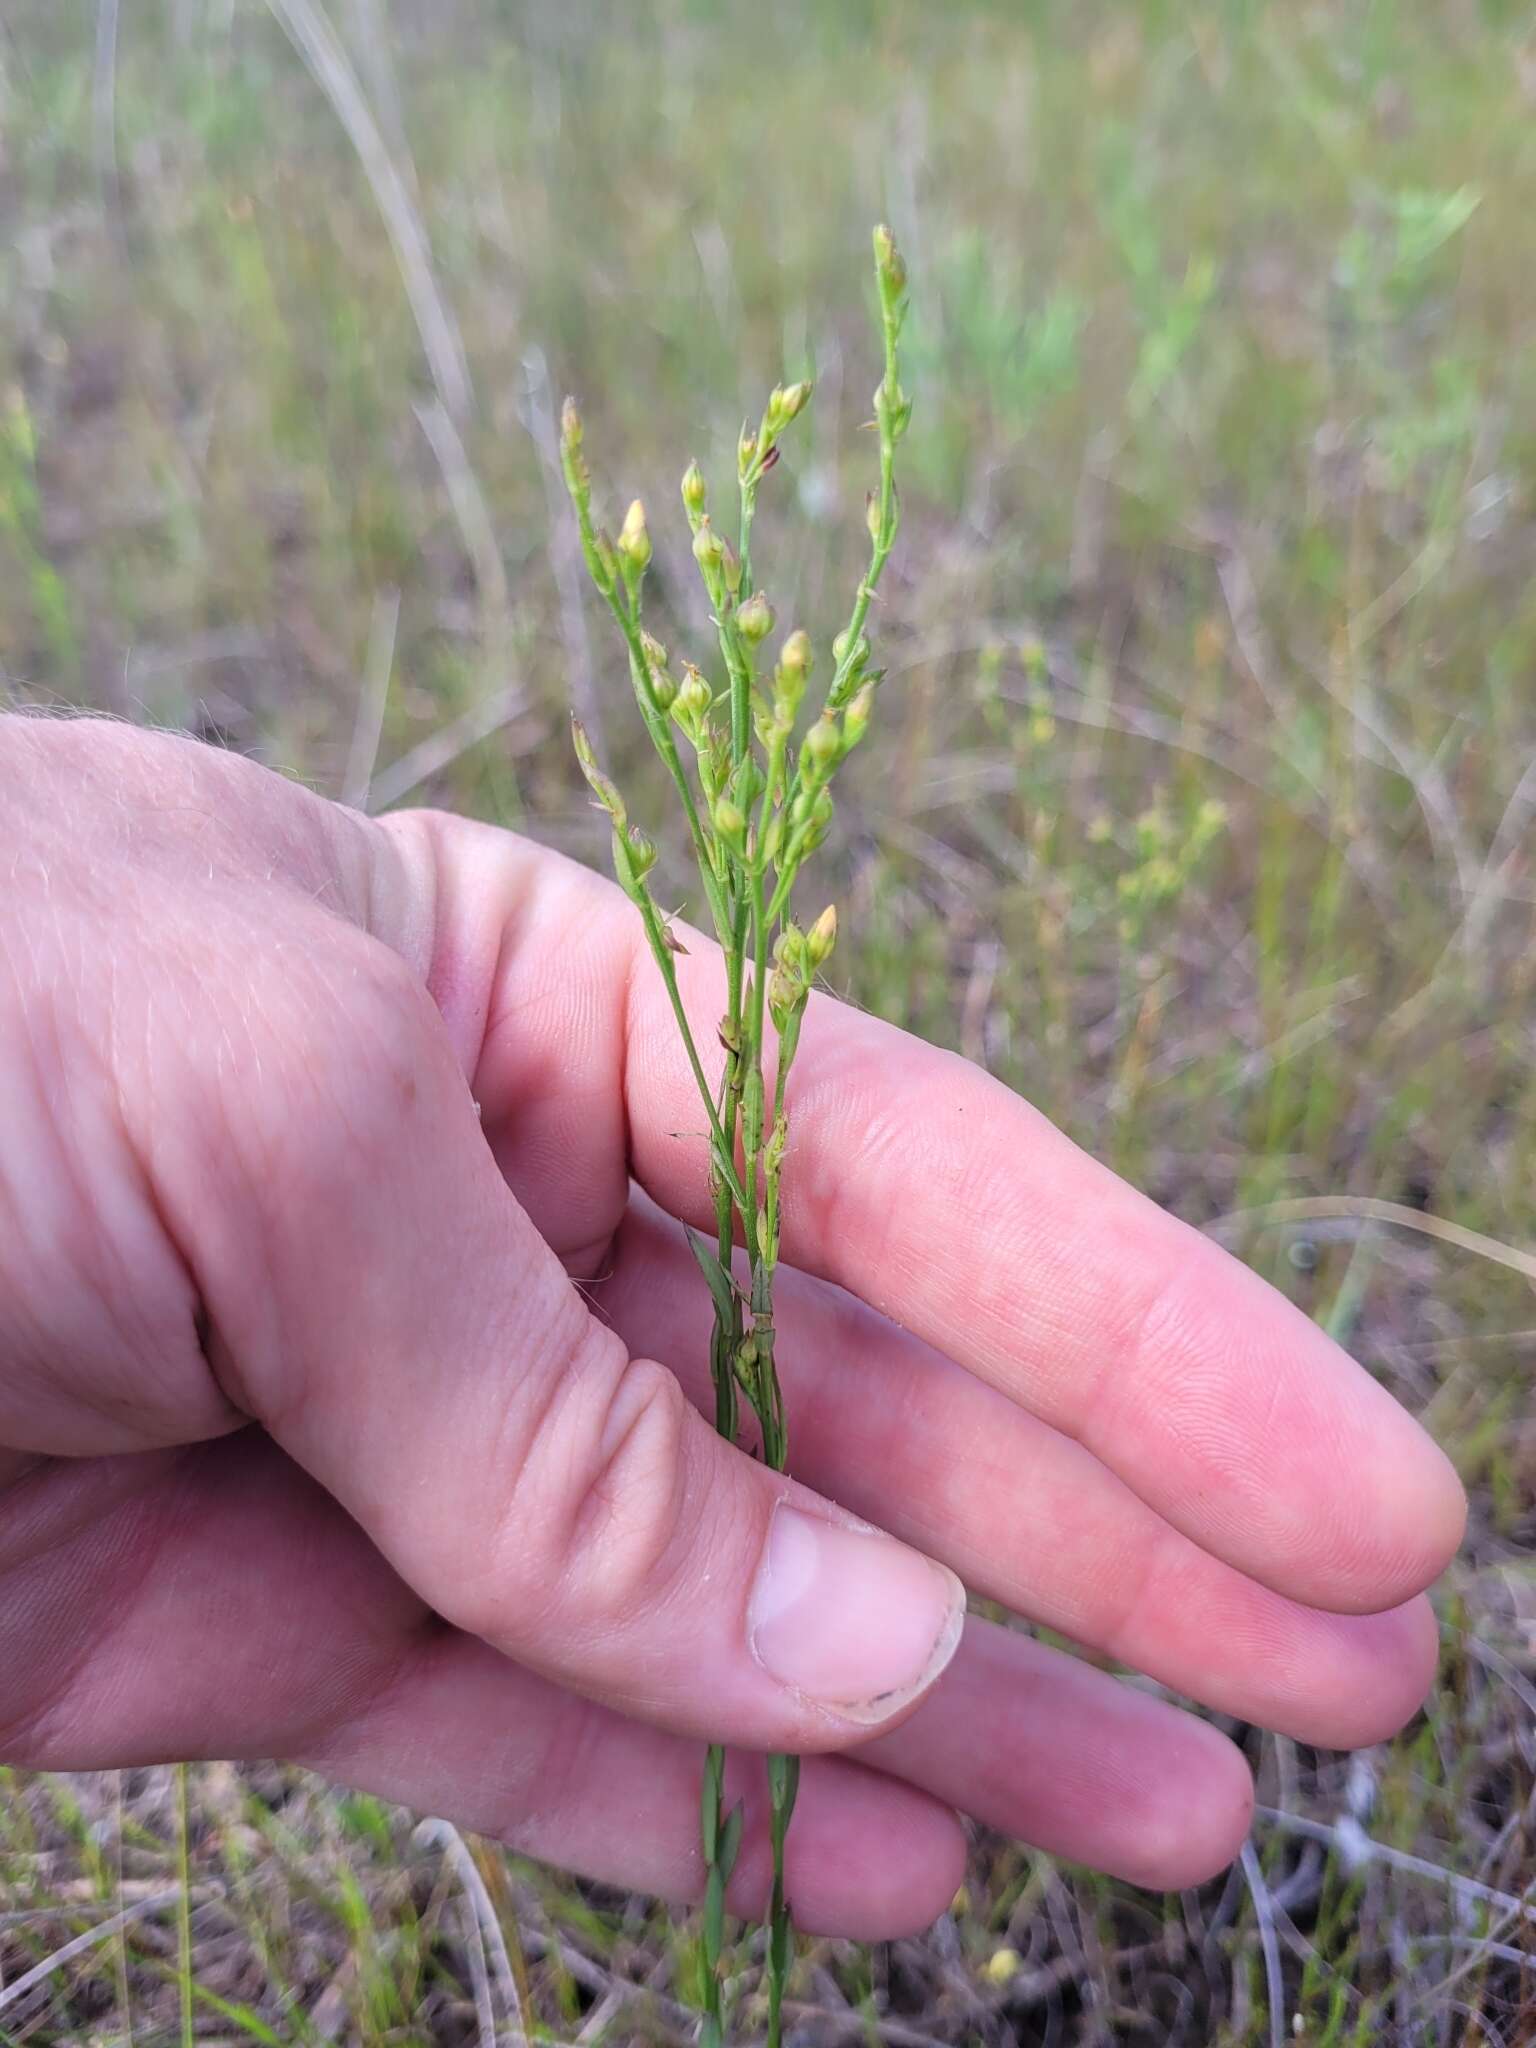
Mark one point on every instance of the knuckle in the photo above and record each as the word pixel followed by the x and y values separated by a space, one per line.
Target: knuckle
pixel 587 1530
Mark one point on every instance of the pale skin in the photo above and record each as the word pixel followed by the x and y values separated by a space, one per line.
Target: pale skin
pixel 311 1448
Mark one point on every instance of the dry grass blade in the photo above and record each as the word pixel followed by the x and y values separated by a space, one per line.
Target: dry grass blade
pixel 368 726
pixel 445 746
pixel 1370 1209
pixel 317 43
pixel 486 1931
pixel 40 1972
pixel 1264 1913
pixel 1350 1841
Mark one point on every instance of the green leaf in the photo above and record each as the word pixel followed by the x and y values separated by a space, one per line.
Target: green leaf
pixel 781 1942
pixel 730 1842
pixel 722 1287
pixel 714 1913
pixel 783 1784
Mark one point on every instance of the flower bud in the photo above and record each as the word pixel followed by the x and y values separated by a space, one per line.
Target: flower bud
pixel 731 824
pixel 603 562
pixel 605 791
pixel 820 821
pixel 859 651
pixel 754 621
pixel 693 698
pixel 663 684
pixel 634 542
pixel 578 478
pixel 708 548
pixel 795 658
pixel 793 398
pixel 822 746
pixel 746 449
pixel 890 270
pixel 730 567
pixel 642 852
pixel 856 717
pixel 892 412
pixel 693 490
pixel 785 991
pixel 789 949
pixel 634 855
pixel 821 938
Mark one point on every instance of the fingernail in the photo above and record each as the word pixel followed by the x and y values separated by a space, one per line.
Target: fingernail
pixel 851 1618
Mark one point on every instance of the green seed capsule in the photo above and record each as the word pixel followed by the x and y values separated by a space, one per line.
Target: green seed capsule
pixel 754 621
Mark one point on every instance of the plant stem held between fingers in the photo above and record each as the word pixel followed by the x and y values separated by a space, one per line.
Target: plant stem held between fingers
pixel 754 783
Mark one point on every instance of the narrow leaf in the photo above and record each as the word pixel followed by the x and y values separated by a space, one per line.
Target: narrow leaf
pixel 730 1842
pixel 722 1287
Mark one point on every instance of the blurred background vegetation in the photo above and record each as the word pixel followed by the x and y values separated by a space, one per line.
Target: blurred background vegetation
pixel 1200 807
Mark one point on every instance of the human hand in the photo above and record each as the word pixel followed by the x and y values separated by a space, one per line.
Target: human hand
pixel 310 1448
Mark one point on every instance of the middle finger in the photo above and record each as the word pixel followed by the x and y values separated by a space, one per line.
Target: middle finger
pixel 1027 1516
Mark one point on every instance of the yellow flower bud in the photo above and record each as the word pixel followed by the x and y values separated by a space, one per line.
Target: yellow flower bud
pixel 793 398
pixel 634 542
pixel 822 937
pixel 795 656
pixel 823 745
pixel 693 490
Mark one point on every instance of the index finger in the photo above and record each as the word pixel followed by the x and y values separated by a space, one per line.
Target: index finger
pixel 934 1192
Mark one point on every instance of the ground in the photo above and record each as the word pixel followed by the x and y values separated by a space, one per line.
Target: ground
pixel 1199 807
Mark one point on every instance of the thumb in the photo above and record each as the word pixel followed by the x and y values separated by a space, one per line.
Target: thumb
pixel 380 1302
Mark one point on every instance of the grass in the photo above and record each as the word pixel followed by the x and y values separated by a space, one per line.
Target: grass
pixel 1205 812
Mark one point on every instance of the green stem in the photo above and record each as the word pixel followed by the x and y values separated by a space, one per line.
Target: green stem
pixel 184 1909
pixel 724 1146
pixel 656 724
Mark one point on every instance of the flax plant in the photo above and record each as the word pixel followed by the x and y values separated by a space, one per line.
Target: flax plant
pixel 753 776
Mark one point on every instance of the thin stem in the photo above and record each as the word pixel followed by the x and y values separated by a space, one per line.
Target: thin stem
pixel 724 1151
pixel 661 738
pixel 712 1942
pixel 184 1909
